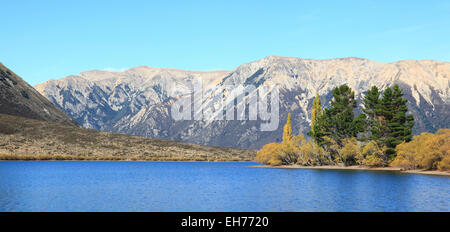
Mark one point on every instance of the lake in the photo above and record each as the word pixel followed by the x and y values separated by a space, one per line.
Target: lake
pixel 215 186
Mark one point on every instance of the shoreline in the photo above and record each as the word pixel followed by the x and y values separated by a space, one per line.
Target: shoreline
pixel 362 168
pixel 131 160
pixel 325 167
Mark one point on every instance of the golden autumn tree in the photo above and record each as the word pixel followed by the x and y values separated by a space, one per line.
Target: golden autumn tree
pixel 372 155
pixel 349 151
pixel 309 153
pixel 316 111
pixel 270 154
pixel 279 153
pixel 287 130
pixel 426 151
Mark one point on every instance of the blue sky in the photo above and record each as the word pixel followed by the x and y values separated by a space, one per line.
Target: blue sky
pixel 42 40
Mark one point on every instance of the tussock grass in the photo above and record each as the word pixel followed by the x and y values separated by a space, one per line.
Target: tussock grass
pixel 28 139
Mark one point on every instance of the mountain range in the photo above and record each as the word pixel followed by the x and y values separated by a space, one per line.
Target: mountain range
pixel 33 128
pixel 138 101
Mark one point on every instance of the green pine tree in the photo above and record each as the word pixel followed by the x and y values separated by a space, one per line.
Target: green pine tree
pixel 339 120
pixel 321 129
pixel 370 118
pixel 394 125
pixel 316 120
pixel 401 123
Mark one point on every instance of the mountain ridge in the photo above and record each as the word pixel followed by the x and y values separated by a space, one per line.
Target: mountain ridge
pixel 138 101
pixel 19 98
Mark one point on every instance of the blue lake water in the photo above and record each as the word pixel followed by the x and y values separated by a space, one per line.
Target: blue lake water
pixel 203 186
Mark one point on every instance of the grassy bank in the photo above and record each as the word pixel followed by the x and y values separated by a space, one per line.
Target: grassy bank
pixel 28 139
pixel 118 158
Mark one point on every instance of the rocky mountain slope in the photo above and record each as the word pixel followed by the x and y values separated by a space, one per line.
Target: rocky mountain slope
pixel 33 128
pixel 18 98
pixel 138 101
pixel 29 139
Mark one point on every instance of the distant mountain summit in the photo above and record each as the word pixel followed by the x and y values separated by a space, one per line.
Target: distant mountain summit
pixel 20 99
pixel 137 101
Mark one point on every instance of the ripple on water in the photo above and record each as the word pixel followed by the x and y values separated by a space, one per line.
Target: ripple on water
pixel 202 186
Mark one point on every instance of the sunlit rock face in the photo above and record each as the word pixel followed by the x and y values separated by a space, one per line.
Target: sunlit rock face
pixel 138 101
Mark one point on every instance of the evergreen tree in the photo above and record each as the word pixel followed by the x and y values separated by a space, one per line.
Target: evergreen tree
pixel 401 124
pixel 287 130
pixel 338 121
pixel 319 122
pixel 321 129
pixel 384 119
pixel 370 118
pixel 394 125
pixel 371 103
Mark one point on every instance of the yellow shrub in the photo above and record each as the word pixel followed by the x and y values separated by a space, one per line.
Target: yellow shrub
pixel 444 164
pixel 275 161
pixel 372 155
pixel 374 160
pixel 427 151
pixel 349 151
pixel 330 145
pixel 269 154
pixel 289 152
pixel 295 151
pixel 312 154
pixel 306 157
